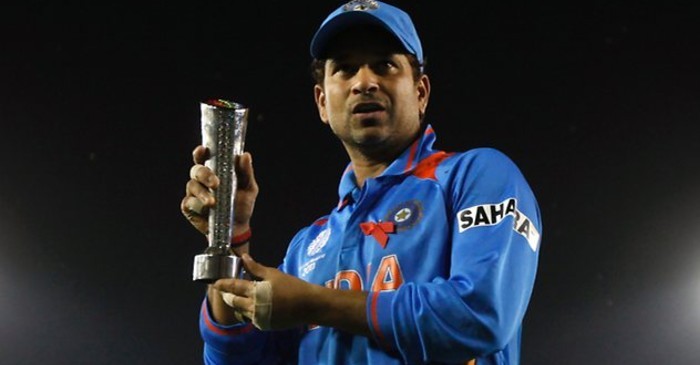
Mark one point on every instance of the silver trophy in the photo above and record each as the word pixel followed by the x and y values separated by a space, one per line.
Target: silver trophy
pixel 223 133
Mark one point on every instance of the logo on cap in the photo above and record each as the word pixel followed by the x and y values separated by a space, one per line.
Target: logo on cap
pixel 361 5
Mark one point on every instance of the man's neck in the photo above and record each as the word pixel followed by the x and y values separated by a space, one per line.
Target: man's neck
pixel 365 169
pixel 368 164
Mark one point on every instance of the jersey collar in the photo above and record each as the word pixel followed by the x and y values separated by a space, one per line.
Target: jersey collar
pixel 422 147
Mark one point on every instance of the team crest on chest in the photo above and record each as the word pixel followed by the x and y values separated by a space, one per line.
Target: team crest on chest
pixel 405 215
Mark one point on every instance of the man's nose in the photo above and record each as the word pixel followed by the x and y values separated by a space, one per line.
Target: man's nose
pixel 366 81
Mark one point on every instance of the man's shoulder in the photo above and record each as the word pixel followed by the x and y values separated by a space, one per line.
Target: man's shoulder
pixel 478 166
pixel 477 159
pixel 481 155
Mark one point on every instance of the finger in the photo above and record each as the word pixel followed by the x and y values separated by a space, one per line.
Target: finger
pixel 228 298
pixel 204 175
pixel 193 205
pixel 252 267
pixel 242 307
pixel 200 154
pixel 199 191
pixel 239 316
pixel 244 167
pixel 242 288
pixel 241 304
pixel 199 221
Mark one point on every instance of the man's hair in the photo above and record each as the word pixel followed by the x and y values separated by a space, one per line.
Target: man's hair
pixel 318 68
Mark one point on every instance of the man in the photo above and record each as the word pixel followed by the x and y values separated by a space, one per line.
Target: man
pixel 429 256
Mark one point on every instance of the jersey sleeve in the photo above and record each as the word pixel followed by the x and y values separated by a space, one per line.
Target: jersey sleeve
pixel 234 344
pixel 243 343
pixel 495 231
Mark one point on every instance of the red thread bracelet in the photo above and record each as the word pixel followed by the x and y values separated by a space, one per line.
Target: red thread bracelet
pixel 241 239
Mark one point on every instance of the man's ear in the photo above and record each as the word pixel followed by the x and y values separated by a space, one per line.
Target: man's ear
pixel 320 98
pixel 423 90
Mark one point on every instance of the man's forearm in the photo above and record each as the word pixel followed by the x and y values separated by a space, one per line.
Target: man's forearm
pixel 295 302
pixel 341 309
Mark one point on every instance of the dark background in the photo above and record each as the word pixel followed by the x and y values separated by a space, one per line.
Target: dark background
pixel 99 111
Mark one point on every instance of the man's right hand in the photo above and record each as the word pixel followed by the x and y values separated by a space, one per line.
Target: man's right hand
pixel 199 198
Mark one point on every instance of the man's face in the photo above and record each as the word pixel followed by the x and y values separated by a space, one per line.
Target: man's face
pixel 369 97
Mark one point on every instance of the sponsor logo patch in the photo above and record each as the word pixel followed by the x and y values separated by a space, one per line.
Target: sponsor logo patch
pixel 492 214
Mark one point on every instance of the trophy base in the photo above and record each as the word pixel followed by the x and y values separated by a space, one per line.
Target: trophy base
pixel 208 268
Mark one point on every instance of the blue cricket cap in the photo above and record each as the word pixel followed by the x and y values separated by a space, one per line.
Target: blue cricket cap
pixel 359 12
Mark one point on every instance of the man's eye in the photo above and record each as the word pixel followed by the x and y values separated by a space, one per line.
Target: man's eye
pixel 344 69
pixel 384 66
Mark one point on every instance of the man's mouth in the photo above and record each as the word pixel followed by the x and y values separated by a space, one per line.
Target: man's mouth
pixel 366 108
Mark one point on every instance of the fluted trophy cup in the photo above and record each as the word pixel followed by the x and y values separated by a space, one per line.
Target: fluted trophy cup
pixel 223 133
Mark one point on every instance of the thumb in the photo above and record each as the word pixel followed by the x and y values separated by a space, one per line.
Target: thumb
pixel 253 267
pixel 245 168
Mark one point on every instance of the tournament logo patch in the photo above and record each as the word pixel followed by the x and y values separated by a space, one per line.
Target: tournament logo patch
pixel 405 215
pixel 318 242
pixel 493 214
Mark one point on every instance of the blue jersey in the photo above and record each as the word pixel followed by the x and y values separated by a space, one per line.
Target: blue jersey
pixel 446 244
